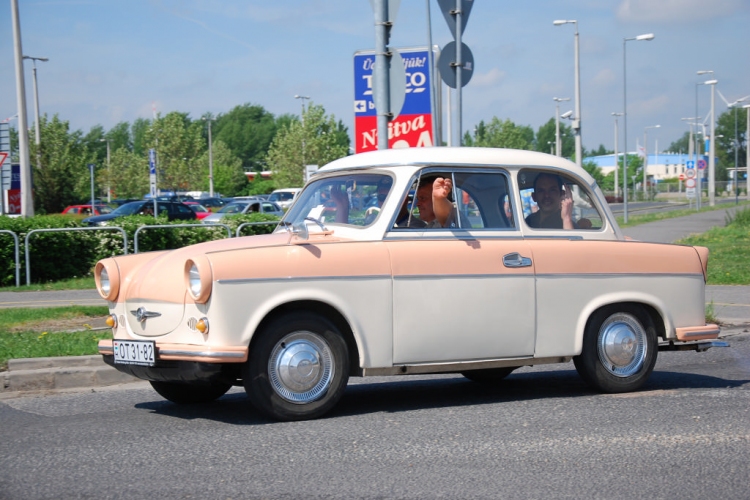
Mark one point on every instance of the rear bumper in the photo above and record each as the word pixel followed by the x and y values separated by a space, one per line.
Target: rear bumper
pixel 690 333
pixel 186 352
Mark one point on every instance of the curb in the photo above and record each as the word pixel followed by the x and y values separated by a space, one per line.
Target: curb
pixel 65 372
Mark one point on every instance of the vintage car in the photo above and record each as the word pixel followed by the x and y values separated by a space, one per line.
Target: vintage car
pixel 341 289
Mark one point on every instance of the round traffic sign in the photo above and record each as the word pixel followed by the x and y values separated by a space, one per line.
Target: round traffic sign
pixel 682 177
pixel 690 173
pixel 701 164
pixel 690 183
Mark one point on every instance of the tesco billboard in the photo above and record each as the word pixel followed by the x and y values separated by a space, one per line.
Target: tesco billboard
pixel 413 126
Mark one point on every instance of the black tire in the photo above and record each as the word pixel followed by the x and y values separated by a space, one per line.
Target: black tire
pixel 619 349
pixel 184 393
pixel 488 375
pixel 298 367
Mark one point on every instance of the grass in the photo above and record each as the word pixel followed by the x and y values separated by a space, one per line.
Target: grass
pixel 637 219
pixel 69 284
pixel 35 333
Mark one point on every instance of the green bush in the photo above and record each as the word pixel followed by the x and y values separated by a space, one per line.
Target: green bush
pixel 62 255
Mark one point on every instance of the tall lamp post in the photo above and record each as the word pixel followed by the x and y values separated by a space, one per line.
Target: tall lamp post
pixel 712 146
pixel 109 185
pixel 38 135
pixel 577 119
pixel 646 37
pixel 558 146
pixel 645 159
pixel 210 119
pixel 302 120
pixel 746 107
pixel 617 167
pixel 697 152
pixel 736 151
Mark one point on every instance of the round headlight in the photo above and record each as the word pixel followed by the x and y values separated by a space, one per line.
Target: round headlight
pixel 198 278
pixel 104 282
pixel 107 277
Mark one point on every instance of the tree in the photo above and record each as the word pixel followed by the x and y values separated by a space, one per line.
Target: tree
pixel 725 146
pixel 64 177
pixel 179 144
pixel 316 140
pixel 548 133
pixel 501 134
pixel 593 169
pixel 129 176
pixel 229 177
pixel 248 131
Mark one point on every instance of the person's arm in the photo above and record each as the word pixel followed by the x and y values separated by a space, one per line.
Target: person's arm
pixel 341 200
pixel 441 205
pixel 566 209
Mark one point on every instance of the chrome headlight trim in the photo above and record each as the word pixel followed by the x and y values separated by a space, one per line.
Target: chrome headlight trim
pixel 107 277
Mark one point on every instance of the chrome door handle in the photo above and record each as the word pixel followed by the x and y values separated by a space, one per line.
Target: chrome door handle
pixel 516 260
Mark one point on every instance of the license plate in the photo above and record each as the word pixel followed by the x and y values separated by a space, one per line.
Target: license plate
pixel 135 352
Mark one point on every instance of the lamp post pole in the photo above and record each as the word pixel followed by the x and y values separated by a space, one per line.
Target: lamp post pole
pixel 210 157
pixel 109 173
pixel 746 107
pixel 617 167
pixel 302 121
pixel 645 160
pixel 648 36
pixel 712 147
pixel 37 135
pixel 736 152
pixel 558 146
pixel 577 119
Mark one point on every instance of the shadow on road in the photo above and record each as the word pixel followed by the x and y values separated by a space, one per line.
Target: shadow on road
pixel 404 394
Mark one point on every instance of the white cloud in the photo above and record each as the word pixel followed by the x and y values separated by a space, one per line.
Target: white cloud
pixel 492 77
pixel 604 78
pixel 675 11
pixel 649 107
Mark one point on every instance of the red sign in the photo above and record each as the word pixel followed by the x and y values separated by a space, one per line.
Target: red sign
pixel 3 156
pixel 690 183
pixel 14 201
pixel 406 131
pixel 682 177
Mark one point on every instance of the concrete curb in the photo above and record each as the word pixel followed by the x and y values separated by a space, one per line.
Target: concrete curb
pixel 65 372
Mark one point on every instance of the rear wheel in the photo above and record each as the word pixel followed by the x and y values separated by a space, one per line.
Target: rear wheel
pixel 619 349
pixel 298 368
pixel 183 393
pixel 488 375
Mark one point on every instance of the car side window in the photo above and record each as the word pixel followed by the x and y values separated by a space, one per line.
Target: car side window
pixel 551 200
pixel 477 201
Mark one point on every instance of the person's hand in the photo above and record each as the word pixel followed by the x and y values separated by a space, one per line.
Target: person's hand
pixel 442 188
pixel 339 197
pixel 566 208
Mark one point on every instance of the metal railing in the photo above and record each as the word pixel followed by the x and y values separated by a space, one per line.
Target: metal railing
pixel 17 255
pixel 268 223
pixel 143 228
pixel 57 230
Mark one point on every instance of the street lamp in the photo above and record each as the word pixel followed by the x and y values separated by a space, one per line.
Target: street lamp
pixel 736 152
pixel 38 136
pixel 109 186
pixel 617 167
pixel 712 146
pixel 551 147
pixel 746 107
pixel 302 120
pixel 639 38
pixel 645 159
pixel 699 177
pixel 210 119
pixel 577 119
pixel 558 146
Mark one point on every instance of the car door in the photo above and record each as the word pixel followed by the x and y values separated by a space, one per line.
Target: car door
pixel 463 294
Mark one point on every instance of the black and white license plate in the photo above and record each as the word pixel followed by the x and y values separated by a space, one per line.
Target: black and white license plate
pixel 135 352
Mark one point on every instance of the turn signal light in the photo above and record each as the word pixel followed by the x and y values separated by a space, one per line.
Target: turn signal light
pixel 202 325
pixel 111 321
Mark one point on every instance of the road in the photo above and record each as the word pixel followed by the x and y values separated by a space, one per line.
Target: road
pixel 541 433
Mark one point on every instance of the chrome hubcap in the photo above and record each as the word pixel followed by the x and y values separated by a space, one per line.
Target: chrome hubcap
pixel 301 367
pixel 622 345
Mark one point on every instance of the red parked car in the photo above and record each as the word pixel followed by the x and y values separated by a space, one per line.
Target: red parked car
pixel 200 211
pixel 86 210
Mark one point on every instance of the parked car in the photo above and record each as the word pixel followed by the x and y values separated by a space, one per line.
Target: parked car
pixel 245 207
pixel 174 211
pixel 201 212
pixel 284 197
pixel 86 210
pixel 213 204
pixel 462 283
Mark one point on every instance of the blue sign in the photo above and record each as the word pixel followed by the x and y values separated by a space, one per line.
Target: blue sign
pixel 152 161
pixel 417 83
pixel 690 164
pixel 15 176
pixel 702 164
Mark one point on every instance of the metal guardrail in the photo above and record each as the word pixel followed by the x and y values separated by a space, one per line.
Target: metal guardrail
pixel 17 255
pixel 213 224
pixel 268 223
pixel 57 230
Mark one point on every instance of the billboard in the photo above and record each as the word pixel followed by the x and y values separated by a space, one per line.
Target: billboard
pixel 413 126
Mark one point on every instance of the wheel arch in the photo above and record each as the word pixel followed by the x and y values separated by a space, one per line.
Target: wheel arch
pixel 323 309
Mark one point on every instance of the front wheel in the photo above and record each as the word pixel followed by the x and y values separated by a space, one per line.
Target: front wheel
pixel 184 393
pixel 298 368
pixel 619 349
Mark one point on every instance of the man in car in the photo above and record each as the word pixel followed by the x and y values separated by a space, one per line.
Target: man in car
pixel 555 202
pixel 435 208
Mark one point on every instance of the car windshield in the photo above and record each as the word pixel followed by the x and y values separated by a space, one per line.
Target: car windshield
pixel 282 196
pixel 232 208
pixel 353 199
pixel 129 208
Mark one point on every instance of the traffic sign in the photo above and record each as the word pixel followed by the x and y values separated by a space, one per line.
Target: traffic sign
pixel 690 164
pixel 448 8
pixel 701 164
pixel 690 183
pixel 690 173
pixel 682 177
pixel 447 65
pixel 690 192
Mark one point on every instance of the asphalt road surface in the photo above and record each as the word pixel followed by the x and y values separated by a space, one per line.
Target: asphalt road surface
pixel 541 433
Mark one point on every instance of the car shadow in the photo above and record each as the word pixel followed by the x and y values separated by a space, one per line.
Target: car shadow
pixel 405 393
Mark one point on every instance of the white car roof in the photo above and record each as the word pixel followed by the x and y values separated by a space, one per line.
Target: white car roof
pixel 454 156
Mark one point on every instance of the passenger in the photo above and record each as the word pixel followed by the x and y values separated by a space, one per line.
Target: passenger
pixel 435 208
pixel 555 203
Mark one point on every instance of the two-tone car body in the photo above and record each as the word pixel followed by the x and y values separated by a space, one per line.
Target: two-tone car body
pixel 342 288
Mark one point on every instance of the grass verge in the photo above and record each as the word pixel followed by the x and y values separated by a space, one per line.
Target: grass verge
pixel 637 219
pixel 38 333
pixel 70 284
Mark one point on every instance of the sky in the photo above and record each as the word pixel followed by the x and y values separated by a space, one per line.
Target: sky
pixel 118 60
